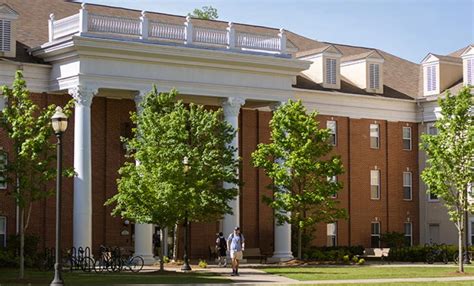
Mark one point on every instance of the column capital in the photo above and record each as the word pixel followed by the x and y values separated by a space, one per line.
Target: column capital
pixel 232 106
pixel 83 95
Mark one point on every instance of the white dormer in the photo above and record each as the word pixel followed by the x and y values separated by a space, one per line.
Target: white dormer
pixel 468 65
pixel 7 31
pixel 325 67
pixel 364 70
pixel 440 73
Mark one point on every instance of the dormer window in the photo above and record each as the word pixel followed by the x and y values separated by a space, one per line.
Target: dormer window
pixel 374 76
pixel 431 81
pixel 331 75
pixel 5 35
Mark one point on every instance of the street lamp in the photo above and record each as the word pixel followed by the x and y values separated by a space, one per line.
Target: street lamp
pixel 186 266
pixel 467 260
pixel 59 123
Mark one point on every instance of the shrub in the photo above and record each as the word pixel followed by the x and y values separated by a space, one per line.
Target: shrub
pixel 361 261
pixel 335 253
pixel 345 259
pixel 418 253
pixel 393 239
pixel 355 259
pixel 202 263
pixel 166 259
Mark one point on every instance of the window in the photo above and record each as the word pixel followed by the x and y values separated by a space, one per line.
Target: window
pixel 5 35
pixel 407 185
pixel 433 232
pixel 3 231
pixel 374 136
pixel 375 184
pixel 431 78
pixel 470 72
pixel 408 234
pixel 432 197
pixel 332 126
pixel 331 234
pixel 374 79
pixel 375 235
pixel 406 138
pixel 333 179
pixel 331 71
pixel 3 169
pixel 432 130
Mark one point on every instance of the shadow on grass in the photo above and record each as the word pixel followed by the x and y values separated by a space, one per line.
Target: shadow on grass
pixel 9 277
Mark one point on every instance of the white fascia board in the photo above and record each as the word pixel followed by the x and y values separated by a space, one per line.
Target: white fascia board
pixel 149 52
pixel 36 75
pixel 359 106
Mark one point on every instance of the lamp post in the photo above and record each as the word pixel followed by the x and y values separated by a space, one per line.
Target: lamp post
pixel 59 123
pixel 186 266
pixel 466 259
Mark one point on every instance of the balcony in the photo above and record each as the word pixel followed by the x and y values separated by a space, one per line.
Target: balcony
pixel 145 30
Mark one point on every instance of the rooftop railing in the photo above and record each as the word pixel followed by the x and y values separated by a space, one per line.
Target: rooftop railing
pixel 145 29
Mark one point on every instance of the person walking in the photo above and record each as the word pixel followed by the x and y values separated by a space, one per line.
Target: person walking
pixel 236 246
pixel 221 246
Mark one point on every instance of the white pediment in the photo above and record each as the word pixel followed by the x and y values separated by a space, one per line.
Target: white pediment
pixel 6 12
pixel 469 51
pixel 375 55
pixel 430 58
pixel 331 49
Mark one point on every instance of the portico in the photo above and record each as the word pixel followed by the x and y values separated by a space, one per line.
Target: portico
pixel 90 65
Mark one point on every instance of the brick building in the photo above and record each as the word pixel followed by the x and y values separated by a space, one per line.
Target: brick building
pixel 107 58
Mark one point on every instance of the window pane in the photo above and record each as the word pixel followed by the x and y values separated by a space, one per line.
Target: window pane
pixel 331 228
pixel 374 135
pixel 375 241
pixel 3 225
pixel 407 193
pixel 433 197
pixel 408 228
pixel 332 126
pixel 375 228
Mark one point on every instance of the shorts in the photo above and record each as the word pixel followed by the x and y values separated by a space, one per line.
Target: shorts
pixel 236 255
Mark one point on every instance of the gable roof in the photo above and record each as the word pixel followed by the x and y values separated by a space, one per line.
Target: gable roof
pixel 318 51
pixel 7 11
pixel 361 56
pixel 442 58
pixel 399 74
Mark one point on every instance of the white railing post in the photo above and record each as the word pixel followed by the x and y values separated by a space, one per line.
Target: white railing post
pixel 51 27
pixel 143 26
pixel 83 19
pixel 282 36
pixel 188 32
pixel 231 36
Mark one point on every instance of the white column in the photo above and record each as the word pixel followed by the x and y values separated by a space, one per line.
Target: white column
pixel 82 209
pixel 143 232
pixel 282 233
pixel 231 108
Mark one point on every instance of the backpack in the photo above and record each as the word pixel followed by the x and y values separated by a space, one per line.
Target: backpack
pixel 241 238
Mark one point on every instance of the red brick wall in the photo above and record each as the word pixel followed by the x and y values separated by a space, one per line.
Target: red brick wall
pixel 109 121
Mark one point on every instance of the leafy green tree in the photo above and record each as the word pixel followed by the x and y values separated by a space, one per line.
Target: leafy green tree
pixel 299 162
pixel 206 13
pixel 158 188
pixel 30 167
pixel 450 164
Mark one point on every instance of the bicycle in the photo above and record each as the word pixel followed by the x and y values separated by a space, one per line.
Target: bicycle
pixel 133 263
pixel 436 253
pixel 81 259
pixel 108 260
pixel 456 257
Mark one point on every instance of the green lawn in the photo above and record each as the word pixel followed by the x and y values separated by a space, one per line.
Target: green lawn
pixel 461 283
pixel 9 277
pixel 363 272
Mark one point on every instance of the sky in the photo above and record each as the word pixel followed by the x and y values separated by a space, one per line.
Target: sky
pixel 407 28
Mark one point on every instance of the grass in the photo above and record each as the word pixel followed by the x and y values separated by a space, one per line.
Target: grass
pixel 364 272
pixel 9 277
pixel 461 283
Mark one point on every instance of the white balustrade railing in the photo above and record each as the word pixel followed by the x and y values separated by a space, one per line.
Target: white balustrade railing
pixel 144 29
pixel 210 36
pixel 166 31
pixel 113 25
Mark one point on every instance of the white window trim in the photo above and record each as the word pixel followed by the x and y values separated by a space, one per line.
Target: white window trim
pixel 332 235
pixel 410 186
pixel 410 138
pixel 4 243
pixel 331 131
pixel 411 231
pixel 5 43
pixel 373 172
pixel 429 197
pixel 372 234
pixel 378 135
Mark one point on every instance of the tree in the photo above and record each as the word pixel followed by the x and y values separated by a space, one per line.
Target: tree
pixel 157 189
pixel 206 13
pixel 299 163
pixel 450 164
pixel 31 166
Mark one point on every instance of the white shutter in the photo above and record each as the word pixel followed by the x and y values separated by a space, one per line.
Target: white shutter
pixel 470 74
pixel 331 71
pixel 433 78
pixel 374 76
pixel 5 35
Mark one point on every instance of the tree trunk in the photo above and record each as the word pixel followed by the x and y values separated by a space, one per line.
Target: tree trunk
pixel 22 243
pixel 163 239
pixel 460 252
pixel 175 243
pixel 300 235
